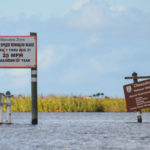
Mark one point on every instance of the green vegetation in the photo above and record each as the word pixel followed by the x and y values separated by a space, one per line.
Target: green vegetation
pixel 70 104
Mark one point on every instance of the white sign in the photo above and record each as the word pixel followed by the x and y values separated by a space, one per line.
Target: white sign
pixel 18 52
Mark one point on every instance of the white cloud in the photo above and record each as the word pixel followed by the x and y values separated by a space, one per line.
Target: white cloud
pixel 11 73
pixel 51 56
pixel 72 77
pixel 18 72
pixel 87 15
pixel 21 81
pixel 118 8
pixel 46 58
pixel 19 78
pixel 92 40
pixel 2 73
pixel 4 14
pixel 96 65
pixel 77 5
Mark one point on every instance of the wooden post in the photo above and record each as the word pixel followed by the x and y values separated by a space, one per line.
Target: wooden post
pixel 8 104
pixel 34 91
pixel 139 112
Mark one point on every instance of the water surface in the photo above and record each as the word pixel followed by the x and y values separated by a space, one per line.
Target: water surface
pixel 76 131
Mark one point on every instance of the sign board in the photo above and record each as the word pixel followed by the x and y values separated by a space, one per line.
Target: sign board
pixel 18 52
pixel 137 95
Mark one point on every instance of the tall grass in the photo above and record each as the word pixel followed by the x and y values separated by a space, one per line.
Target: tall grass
pixel 69 104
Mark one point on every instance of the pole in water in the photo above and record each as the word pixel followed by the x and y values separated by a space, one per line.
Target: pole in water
pixel 34 95
pixel 8 104
pixel 1 108
pixel 139 116
pixel 34 91
pixel 139 112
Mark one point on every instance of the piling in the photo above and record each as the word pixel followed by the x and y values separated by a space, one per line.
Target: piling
pixel 34 91
pixel 139 112
pixel 8 105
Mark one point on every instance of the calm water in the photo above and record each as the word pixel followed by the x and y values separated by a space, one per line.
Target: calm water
pixel 76 131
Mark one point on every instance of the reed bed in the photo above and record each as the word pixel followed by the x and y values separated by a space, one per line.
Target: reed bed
pixel 70 104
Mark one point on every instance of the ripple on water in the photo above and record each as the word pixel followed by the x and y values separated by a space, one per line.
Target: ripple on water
pixel 76 131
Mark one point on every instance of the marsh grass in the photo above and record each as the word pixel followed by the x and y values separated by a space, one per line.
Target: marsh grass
pixel 70 104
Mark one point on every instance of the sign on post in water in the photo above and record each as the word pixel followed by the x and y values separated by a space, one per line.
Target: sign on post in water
pixel 21 52
pixel 137 95
pixel 18 52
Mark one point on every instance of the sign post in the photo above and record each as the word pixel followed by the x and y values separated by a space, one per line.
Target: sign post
pixel 34 91
pixel 137 94
pixel 21 52
pixel 139 112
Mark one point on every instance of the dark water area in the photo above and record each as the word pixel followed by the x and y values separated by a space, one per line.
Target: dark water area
pixel 76 131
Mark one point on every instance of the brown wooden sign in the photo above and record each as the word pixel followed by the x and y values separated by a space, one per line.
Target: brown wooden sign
pixel 137 95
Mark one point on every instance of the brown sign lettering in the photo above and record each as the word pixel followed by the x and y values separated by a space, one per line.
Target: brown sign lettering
pixel 137 95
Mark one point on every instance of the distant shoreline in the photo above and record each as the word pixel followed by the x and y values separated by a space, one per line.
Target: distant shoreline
pixel 70 104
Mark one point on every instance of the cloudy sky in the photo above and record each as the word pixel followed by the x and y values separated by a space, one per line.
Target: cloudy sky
pixel 84 46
